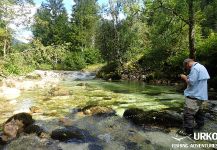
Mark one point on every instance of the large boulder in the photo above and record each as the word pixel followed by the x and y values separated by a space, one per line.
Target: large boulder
pixel 18 123
pixel 66 135
pixel 22 120
pixel 164 118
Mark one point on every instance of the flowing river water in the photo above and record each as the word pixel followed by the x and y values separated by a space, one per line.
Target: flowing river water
pixel 112 132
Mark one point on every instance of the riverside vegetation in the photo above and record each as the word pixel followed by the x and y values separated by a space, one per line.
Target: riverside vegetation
pixel 121 40
pixel 149 41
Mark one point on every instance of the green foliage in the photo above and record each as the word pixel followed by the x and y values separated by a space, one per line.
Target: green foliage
pixel 92 56
pixel 110 71
pixel 51 23
pixel 209 22
pixel 15 64
pixel 74 61
pixel 207 53
pixel 84 24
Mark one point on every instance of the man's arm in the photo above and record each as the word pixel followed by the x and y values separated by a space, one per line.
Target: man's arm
pixel 191 78
pixel 185 78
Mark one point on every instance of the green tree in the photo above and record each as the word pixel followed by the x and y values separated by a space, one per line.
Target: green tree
pixel 84 24
pixel 7 14
pixel 186 11
pixel 124 35
pixel 51 23
pixel 209 23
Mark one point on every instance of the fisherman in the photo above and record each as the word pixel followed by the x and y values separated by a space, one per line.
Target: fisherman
pixel 195 94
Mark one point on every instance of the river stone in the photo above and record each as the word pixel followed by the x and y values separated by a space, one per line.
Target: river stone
pixel 157 118
pixel 34 129
pixel 25 118
pixel 80 84
pixel 32 142
pixel 98 110
pixel 95 147
pixel 74 135
pixel 66 135
pixel 33 76
pixel 16 125
pixel 73 146
pixel 35 109
pixel 132 146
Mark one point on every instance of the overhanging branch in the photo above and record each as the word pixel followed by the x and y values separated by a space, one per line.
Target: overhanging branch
pixel 173 12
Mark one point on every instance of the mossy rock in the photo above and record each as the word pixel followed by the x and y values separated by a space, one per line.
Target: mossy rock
pixel 73 134
pixel 152 93
pixel 34 76
pixel 107 98
pixel 80 84
pixel 34 129
pixel 157 118
pixel 65 135
pixel 98 110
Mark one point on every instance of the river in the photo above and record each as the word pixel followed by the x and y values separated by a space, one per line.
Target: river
pixel 79 90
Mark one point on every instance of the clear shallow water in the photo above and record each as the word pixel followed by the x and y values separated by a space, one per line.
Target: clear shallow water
pixel 114 132
pixel 60 100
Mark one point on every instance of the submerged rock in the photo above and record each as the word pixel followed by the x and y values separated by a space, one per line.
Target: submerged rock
pixel 32 142
pixel 72 134
pixel 80 84
pixel 157 118
pixel 35 109
pixel 65 135
pixel 98 110
pixel 34 129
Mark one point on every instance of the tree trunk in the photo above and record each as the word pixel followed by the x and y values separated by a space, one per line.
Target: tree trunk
pixel 191 29
pixel 5 47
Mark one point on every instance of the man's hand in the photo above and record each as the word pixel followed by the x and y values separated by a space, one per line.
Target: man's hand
pixel 184 77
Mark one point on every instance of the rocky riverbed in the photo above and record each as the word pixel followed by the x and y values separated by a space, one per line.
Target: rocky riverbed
pixel 78 112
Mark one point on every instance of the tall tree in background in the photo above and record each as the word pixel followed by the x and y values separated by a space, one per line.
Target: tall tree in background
pixel 186 11
pixel 209 23
pixel 10 10
pixel 84 24
pixel 122 37
pixel 51 23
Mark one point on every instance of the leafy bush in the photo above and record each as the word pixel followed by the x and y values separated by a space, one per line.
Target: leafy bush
pixel 110 71
pixel 15 63
pixel 74 61
pixel 207 54
pixel 92 56
pixel 45 66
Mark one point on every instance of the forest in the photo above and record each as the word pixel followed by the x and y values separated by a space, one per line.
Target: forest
pixel 148 37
